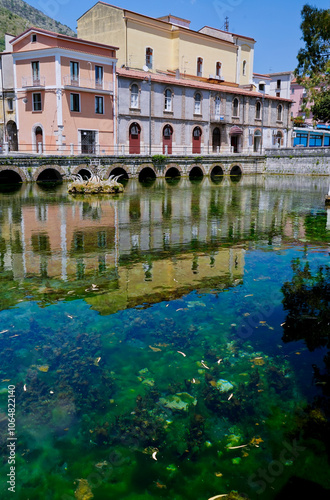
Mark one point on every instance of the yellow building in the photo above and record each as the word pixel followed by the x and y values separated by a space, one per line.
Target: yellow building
pixel 167 44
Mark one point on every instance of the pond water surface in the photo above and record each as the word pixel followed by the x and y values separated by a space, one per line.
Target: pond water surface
pixel 171 342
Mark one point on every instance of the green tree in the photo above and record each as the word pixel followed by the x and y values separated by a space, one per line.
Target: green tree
pixel 321 108
pixel 313 69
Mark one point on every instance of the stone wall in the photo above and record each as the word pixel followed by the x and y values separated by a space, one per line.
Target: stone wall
pixel 302 161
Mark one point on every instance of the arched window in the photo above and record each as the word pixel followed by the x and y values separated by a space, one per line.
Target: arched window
pixel 279 112
pixel 198 101
pixel 235 107
pixel 149 53
pixel 199 66
pixel 258 110
pixel 217 104
pixel 218 69
pixel 134 96
pixel 244 68
pixel 168 100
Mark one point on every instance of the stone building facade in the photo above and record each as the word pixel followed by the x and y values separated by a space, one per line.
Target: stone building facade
pixel 162 114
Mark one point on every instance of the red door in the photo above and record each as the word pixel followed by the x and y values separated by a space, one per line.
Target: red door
pixel 234 142
pixel 39 139
pixel 134 139
pixel 167 139
pixel 197 139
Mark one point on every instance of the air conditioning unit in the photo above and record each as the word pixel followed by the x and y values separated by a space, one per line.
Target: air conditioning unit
pixel 294 134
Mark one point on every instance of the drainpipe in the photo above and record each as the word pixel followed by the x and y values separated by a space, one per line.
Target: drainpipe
pixel 288 125
pixel 114 81
pixel 209 134
pixel 262 123
pixel 126 48
pixel 3 107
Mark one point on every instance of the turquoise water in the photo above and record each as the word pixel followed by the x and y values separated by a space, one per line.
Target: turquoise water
pixel 150 349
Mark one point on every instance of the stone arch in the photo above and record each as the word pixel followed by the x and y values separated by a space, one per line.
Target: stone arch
pixel 79 168
pixel 12 171
pixel 173 170
pixel 217 170
pixel 57 168
pixel 146 172
pixel 118 170
pixel 194 166
pixel 236 169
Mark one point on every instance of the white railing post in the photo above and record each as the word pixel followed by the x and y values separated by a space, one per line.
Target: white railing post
pixel 166 149
pixel 123 149
pixel 39 148
pixel 71 149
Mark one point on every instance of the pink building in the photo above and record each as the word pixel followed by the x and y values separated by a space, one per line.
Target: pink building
pixel 297 94
pixel 65 93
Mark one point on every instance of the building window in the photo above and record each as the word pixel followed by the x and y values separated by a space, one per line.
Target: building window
pixel 99 105
pixel 99 76
pixel 74 72
pixel 278 84
pixel 33 38
pixel 258 110
pixel 149 53
pixel 36 102
pixel 10 104
pixel 217 106
pixel 279 112
pixel 218 69
pixel 199 66
pixel 261 87
pixel 35 72
pixel 134 96
pixel 168 100
pixel 235 107
pixel 244 68
pixel 75 102
pixel 198 102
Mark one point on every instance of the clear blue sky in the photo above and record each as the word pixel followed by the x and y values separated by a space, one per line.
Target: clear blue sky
pixel 274 25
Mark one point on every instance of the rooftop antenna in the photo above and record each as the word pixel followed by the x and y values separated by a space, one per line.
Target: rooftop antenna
pixel 226 23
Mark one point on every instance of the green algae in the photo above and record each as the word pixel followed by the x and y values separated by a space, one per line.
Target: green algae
pixel 98 412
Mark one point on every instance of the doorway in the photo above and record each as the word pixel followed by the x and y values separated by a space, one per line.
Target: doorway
pixel 134 139
pixel 197 140
pixel 167 139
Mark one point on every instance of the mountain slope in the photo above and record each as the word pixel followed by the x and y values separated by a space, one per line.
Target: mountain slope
pixel 16 16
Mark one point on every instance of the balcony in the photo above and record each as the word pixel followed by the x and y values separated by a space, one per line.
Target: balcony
pixel 87 84
pixel 216 118
pixel 30 82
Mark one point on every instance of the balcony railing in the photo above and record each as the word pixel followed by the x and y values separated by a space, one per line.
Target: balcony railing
pixel 87 83
pixel 29 81
pixel 215 117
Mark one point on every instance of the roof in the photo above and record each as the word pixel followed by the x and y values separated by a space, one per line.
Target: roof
pixel 230 33
pixel 261 75
pixel 186 82
pixel 160 20
pixel 61 37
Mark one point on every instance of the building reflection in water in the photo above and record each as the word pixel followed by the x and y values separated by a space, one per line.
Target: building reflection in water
pixel 150 243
